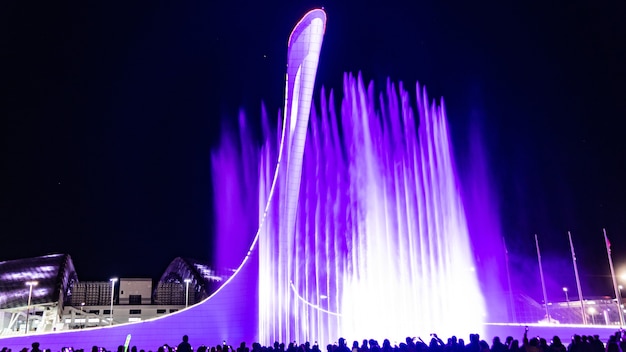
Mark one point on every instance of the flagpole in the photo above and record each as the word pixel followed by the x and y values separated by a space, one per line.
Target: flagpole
pixel 580 291
pixel 508 277
pixel 543 284
pixel 617 295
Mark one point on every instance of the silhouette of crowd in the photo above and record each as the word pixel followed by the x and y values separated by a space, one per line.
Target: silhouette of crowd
pixel 578 343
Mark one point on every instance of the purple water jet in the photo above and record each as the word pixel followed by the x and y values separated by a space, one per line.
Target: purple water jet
pixel 381 246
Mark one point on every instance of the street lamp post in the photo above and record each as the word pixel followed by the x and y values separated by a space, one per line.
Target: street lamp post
pixel 113 280
pixel 566 300
pixel 187 281
pixel 620 301
pixel 82 313
pixel 592 312
pixel 30 285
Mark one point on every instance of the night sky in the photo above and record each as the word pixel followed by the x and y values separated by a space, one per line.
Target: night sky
pixel 110 113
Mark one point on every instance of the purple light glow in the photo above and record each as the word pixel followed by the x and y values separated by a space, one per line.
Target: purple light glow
pixel 380 228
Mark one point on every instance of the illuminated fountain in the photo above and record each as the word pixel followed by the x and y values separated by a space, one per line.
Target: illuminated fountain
pixel 380 246
pixel 362 231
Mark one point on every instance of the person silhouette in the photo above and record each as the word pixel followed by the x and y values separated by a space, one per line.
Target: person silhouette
pixel 35 347
pixel 184 346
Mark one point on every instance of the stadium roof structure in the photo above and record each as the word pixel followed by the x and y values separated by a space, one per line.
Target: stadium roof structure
pixel 53 273
pixel 204 279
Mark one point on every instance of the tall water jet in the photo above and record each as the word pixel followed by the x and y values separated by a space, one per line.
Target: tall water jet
pixel 381 244
pixel 381 247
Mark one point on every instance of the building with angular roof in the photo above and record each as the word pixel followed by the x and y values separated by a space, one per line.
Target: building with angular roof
pixel 40 284
pixel 201 278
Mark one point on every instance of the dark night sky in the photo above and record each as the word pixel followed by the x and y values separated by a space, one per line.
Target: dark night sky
pixel 111 111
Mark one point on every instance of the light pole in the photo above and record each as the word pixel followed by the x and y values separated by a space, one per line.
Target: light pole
pixel 113 280
pixel 30 285
pixel 592 312
pixel 187 281
pixel 620 302
pixel 82 313
pixel 566 300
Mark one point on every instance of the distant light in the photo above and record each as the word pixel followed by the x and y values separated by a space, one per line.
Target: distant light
pixel 564 289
